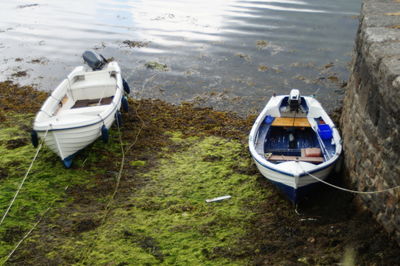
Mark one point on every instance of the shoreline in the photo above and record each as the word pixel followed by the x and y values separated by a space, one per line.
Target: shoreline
pixel 154 218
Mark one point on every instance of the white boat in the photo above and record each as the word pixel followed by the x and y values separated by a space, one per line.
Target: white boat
pixel 294 143
pixel 81 108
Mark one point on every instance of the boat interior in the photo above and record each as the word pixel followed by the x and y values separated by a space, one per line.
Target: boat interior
pixel 292 143
pixel 87 93
pixel 93 85
pixel 292 138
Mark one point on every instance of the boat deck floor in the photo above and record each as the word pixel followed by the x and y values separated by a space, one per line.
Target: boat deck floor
pixel 92 102
pixel 295 158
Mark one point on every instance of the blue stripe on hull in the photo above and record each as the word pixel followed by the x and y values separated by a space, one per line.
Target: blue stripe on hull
pixel 304 174
pixel 296 195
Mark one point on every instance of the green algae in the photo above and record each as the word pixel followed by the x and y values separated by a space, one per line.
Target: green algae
pixel 167 221
pixel 45 186
pixel 138 163
pixel 63 237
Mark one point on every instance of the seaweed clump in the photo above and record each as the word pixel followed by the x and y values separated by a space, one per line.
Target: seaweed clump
pixel 156 66
pixel 17 99
pixel 133 44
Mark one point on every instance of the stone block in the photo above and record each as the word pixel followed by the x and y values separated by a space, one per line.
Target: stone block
pixel 380 34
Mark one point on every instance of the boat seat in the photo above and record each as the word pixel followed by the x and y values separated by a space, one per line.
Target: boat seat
pixel 311 152
pixel 92 102
pixel 295 158
pixel 291 122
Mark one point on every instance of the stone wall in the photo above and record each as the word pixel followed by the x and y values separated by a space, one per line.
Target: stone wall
pixel 370 120
pixel 371 113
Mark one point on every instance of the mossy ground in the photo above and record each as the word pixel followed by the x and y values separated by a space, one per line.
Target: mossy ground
pixel 167 220
pixel 180 157
pixel 46 184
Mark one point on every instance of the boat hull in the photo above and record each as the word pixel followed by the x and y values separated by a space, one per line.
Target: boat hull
pixel 68 141
pixel 294 187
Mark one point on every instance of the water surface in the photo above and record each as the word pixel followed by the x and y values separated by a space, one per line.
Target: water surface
pixel 229 54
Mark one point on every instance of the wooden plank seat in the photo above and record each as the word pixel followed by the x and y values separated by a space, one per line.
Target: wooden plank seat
pixel 92 102
pixel 295 158
pixel 311 152
pixel 291 122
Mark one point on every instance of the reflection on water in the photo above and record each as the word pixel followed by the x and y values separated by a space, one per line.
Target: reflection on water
pixel 230 54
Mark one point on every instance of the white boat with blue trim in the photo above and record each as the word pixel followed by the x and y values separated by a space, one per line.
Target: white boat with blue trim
pixel 293 141
pixel 81 108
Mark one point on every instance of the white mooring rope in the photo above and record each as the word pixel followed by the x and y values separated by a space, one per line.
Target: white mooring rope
pixel 30 231
pixel 23 180
pixel 348 190
pixel 24 237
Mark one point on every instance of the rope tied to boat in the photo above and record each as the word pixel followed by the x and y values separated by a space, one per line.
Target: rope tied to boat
pixel 25 177
pixel 346 189
pixel 108 207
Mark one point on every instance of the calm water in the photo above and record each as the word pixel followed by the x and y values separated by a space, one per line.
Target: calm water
pixel 228 54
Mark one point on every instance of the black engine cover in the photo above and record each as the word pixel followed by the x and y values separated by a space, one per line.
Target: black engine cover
pixel 94 60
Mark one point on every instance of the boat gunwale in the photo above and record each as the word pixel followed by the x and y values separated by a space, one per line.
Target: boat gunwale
pixel 100 119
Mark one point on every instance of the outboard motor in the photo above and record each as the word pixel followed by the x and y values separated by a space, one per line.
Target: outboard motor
pixel 294 100
pixel 94 60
